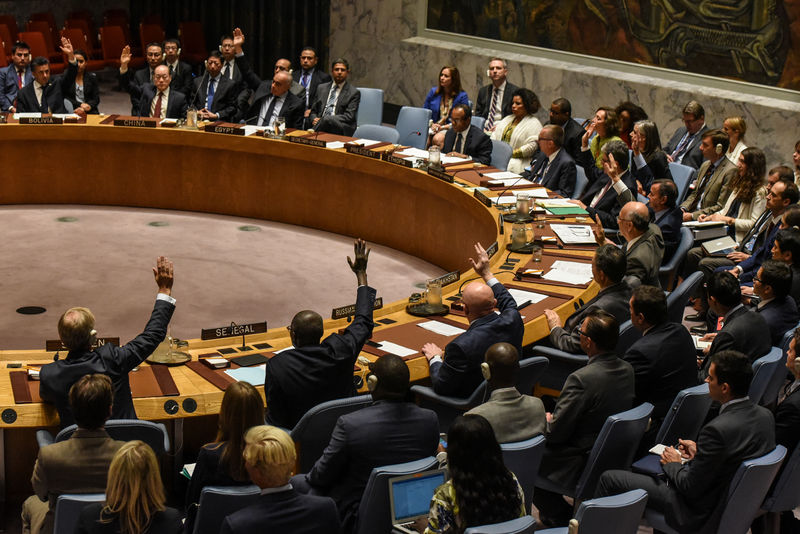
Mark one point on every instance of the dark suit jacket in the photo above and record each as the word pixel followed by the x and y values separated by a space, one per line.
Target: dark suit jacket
pixel 693 157
pixel 716 192
pixel 762 248
pixel 655 169
pixel 745 331
pixel 787 421
pixel 615 299
pixel 664 362
pixel 477 144
pixel 603 387
pixel 177 103
pixel 91 92
pixel 742 431
pixel 292 109
pixel 53 93
pixel 300 378
pixel 317 77
pixel 384 433
pixel 345 112
pixel 166 522
pixel 460 373
pixel 209 472
pixel 560 174
pixel 670 223
pixel 781 316
pixel 573 133
pixel 285 511
pixel 610 205
pixel 182 78
pixel 224 102
pixel 116 362
pixel 484 102
pixel 644 257
pixel 9 85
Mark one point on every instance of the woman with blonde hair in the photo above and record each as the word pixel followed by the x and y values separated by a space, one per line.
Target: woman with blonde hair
pixel 735 127
pixel 134 497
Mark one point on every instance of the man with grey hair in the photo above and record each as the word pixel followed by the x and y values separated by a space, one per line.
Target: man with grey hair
pixel 684 146
pixel 494 99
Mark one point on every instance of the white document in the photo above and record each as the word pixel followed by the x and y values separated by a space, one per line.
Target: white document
pixel 698 224
pixel 65 116
pixel 366 142
pixel 510 182
pixel 502 175
pixel 700 345
pixel 539 192
pixel 35 115
pixel 555 203
pixel 572 234
pixel 334 144
pixel 413 152
pixel 522 296
pixel 168 121
pixel 254 375
pixel 251 129
pixel 440 328
pixel 447 160
pixel 394 348
pixel 570 272
pixel 506 199
pixel 659 450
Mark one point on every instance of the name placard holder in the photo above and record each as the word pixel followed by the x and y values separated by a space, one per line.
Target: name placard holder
pixel 307 141
pixel 234 330
pixel 54 345
pixel 137 122
pixel 492 250
pixel 440 174
pixel 224 128
pixel 448 278
pixel 397 161
pixel 41 120
pixel 349 311
pixel 361 151
pixel 486 201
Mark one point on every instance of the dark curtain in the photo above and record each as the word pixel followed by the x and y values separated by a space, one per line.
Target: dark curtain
pixel 272 28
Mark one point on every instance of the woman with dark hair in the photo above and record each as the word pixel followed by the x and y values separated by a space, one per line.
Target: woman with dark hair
pixel 629 114
pixel 85 92
pixel 481 490
pixel 646 146
pixel 606 124
pixel 441 100
pixel 520 129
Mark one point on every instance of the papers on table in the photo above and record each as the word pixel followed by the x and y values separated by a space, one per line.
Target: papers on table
pixel 254 375
pixel 570 272
pixel 169 121
pixel 413 152
pixel 509 182
pixel 252 129
pixel 365 142
pixel 511 196
pixel 187 471
pixel 502 175
pixel 447 160
pixel 574 234
pixel 522 296
pixel 394 348
pixel 700 345
pixel 698 224
pixel 36 115
pixel 554 203
pixel 64 116
pixel 334 144
pixel 441 328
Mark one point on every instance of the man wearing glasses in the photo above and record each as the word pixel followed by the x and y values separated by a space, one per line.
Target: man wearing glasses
pixel 553 167
pixel 684 147
pixel 464 140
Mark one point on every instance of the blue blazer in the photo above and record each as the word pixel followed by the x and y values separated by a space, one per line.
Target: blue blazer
pixel 560 175
pixel 285 511
pixel 433 101
pixel 751 265
pixel 670 223
pixel 9 85
pixel 781 316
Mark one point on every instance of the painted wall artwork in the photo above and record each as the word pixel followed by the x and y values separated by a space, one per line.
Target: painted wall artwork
pixel 752 40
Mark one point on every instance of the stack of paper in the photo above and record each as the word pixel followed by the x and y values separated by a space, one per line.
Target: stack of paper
pixel 509 182
pixel 334 144
pixel 253 375
pixel 394 348
pixel 365 142
pixel 502 175
pixel 412 152
pixel 252 129
pixel 522 296
pixel 574 234
pixel 441 328
pixel 570 272
pixel 447 160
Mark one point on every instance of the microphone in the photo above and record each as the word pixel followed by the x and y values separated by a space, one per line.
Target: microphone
pixel 409 134
pixel 248 120
pixel 197 90
pixel 497 202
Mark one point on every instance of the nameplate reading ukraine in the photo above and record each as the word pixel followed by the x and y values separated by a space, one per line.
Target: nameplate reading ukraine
pixel 53 345
pixel 397 161
pixel 138 123
pixel 361 151
pixel 233 330
pixel 41 120
pixel 307 141
pixel 347 311
pixel 222 128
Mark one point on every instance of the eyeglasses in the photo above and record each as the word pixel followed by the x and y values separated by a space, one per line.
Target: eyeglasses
pixel 757 279
pixel 584 333
pixel 545 139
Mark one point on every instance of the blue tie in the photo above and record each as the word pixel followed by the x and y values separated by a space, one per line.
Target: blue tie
pixel 210 93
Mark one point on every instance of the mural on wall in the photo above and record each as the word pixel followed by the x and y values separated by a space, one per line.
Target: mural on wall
pixel 753 40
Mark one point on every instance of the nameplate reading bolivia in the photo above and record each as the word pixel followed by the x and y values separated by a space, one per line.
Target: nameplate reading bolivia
pixel 397 161
pixel 138 123
pixel 440 174
pixel 347 311
pixel 41 120
pixel 307 141
pixel 53 345
pixel 361 151
pixel 233 330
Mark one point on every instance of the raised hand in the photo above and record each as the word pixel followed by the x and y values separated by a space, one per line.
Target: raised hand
pixel 481 266
pixel 238 38
pixel 163 273
pixel 359 264
pixel 125 57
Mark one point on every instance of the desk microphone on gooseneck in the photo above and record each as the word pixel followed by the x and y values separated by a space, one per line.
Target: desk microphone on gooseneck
pixel 197 90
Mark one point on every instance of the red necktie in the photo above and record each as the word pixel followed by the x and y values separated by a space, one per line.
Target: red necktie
pixel 20 75
pixel 157 112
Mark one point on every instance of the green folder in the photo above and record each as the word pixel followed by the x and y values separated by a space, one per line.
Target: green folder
pixel 572 210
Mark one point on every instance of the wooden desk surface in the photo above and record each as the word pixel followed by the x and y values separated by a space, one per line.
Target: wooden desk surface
pixel 331 190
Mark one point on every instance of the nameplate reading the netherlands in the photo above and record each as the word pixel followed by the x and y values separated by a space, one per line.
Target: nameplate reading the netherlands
pixel 486 201
pixel 440 174
pixel 307 141
pixel 233 330
pixel 491 251
pixel 139 123
pixel 448 278
pixel 53 345
pixel 41 120
pixel 361 151
pixel 223 129
pixel 347 311
pixel 397 161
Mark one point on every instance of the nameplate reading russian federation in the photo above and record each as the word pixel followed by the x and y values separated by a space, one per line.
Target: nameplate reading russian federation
pixel 440 174
pixel 397 161
pixel 307 141
pixel 361 151
pixel 347 311
pixel 486 201
pixel 41 120
pixel 53 345
pixel 224 129
pixel 491 251
pixel 233 330
pixel 448 278
pixel 139 123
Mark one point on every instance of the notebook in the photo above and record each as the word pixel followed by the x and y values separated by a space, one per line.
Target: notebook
pixel 719 247
pixel 410 497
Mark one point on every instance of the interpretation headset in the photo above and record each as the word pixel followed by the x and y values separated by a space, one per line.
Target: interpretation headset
pixel 486 371
pixel 92 337
pixel 797 365
pixel 372 382
pixel 718 149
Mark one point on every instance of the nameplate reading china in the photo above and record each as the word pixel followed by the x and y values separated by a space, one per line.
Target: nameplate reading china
pixel 491 251
pixel 53 345
pixel 448 278
pixel 307 141
pixel 233 330
pixel 223 129
pixel 347 311
pixel 486 201
pixel 440 174
pixel 397 161
pixel 139 123
pixel 41 120
pixel 361 151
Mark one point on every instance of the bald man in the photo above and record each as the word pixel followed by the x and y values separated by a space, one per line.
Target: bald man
pixel 456 371
pixel 315 370
pixel 644 247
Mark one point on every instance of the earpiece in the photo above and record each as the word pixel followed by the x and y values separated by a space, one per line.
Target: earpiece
pixel 486 371
pixel 220 48
pixel 797 366
pixel 92 337
pixel 487 73
pixel 718 149
pixel 372 383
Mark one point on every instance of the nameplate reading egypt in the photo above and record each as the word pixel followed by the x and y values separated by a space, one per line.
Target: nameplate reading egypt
pixel 222 128
pixel 440 174
pixel 347 311
pixel 233 330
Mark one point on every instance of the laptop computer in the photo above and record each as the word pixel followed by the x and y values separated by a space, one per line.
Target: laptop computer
pixel 410 497
pixel 719 247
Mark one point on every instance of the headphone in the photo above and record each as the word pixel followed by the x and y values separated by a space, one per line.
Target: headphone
pixel 372 383
pixel 487 73
pixel 486 371
pixel 92 337
pixel 797 365
pixel 718 149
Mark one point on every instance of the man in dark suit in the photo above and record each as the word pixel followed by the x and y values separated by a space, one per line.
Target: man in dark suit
pixel 666 214
pixel 134 83
pixel 309 76
pixel 77 333
pixel 335 107
pixel 464 140
pixel 15 76
pixel 494 99
pixel 608 270
pixel 708 193
pixel 180 71
pixel 787 249
pixel 214 94
pixel 46 95
pixel 270 458
pixel 603 387
pixel 561 115
pixel 284 65
pixel 160 101
pixel 684 146
pixel 456 371
pixel 389 431
pixel 690 494
pixel 553 167
pixel 644 247
pixel 78 464
pixel 772 285
pixel 271 98
pixel 315 371
pixel 229 51
pixel 787 415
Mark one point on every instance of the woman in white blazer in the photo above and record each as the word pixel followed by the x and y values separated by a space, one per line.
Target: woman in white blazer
pixel 520 129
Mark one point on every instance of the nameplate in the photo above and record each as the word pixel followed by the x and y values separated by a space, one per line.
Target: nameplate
pixel 397 161
pixel 54 345
pixel 440 174
pixel 491 251
pixel 361 151
pixel 233 330
pixel 224 129
pixel 347 311
pixel 448 278
pixel 307 141
pixel 486 201
pixel 41 120
pixel 138 123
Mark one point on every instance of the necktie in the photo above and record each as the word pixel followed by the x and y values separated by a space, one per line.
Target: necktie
pixel 171 71
pixel 331 101
pixel 543 171
pixel 151 77
pixel 157 112
pixel 267 119
pixel 600 196
pixel 701 186
pixel 459 142
pixel 210 99
pixel 227 71
pixel 492 109
pixel 682 146
pixel 20 78
pixel 304 80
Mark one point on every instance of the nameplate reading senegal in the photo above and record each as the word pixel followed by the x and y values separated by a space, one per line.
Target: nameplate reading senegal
pixel 486 201
pixel 53 345
pixel 440 174
pixel 397 161
pixel 224 129
pixel 448 278
pixel 491 251
pixel 233 330
pixel 307 141
pixel 138 123
pixel 41 120
pixel 361 151
pixel 347 311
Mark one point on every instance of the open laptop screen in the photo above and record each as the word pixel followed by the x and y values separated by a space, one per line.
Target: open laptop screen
pixel 410 495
